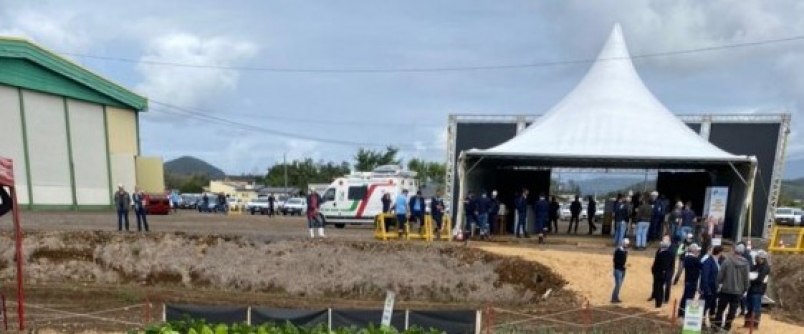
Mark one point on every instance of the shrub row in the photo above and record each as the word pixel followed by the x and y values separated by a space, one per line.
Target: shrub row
pixel 190 326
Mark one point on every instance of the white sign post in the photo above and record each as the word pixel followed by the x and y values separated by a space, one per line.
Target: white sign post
pixel 389 309
pixel 715 212
pixel 693 317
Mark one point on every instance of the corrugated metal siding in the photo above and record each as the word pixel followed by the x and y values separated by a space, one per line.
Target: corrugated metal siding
pixel 11 146
pixel 124 170
pixel 151 174
pixel 89 153
pixel 122 131
pixel 47 145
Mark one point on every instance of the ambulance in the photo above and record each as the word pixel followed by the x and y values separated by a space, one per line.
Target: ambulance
pixel 355 199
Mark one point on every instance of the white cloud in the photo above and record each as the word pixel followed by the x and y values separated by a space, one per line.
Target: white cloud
pixel 54 30
pixel 184 86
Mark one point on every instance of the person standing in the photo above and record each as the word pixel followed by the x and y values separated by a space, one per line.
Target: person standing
pixel 470 208
pixel 661 269
pixel 555 212
pixel 541 210
pixel 692 275
pixel 575 214
pixel 437 212
pixel 386 203
pixel 657 217
pixel 122 201
pixel 521 206
pixel 417 209
pixel 271 205
pixel 621 214
pixel 674 223
pixel 709 268
pixel 644 215
pixel 140 209
pixel 6 203
pixel 493 213
pixel 483 208
pixel 313 220
pixel 759 283
pixel 688 220
pixel 591 214
pixel 402 210
pixel 620 260
pixel 734 283
pixel 681 251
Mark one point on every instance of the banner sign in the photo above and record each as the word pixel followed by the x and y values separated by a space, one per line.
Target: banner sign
pixel 388 311
pixel 715 212
pixel 693 317
pixel 6 172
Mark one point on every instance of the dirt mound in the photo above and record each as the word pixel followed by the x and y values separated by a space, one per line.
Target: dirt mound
pixel 303 268
pixel 787 272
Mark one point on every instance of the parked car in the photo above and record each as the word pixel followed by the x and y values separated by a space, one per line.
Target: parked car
pixel 158 204
pixel 258 205
pixel 798 215
pixel 295 206
pixel 189 201
pixel 785 216
pixel 234 202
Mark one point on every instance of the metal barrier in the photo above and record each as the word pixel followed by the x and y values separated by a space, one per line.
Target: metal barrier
pixel 787 240
pixel 426 231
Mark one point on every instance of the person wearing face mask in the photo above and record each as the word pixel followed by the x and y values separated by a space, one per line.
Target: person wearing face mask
pixel 759 283
pixel 688 220
pixel 710 266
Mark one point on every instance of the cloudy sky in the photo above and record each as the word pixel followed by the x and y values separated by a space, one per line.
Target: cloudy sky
pixel 238 115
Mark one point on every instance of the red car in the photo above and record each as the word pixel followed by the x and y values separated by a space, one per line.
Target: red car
pixel 157 204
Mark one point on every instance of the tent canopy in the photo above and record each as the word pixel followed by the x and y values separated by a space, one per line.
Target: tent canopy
pixel 610 116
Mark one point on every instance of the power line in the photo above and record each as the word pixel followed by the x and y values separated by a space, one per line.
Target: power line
pixel 331 121
pixel 182 111
pixel 434 69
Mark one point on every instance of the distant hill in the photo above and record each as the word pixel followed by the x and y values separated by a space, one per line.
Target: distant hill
pixel 186 166
pixel 793 189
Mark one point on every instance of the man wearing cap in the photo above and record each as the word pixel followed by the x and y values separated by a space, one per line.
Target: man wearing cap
pixel 692 274
pixel 662 269
pixel 734 283
pixel 122 201
pixel 657 218
pixel 620 260
pixel 483 207
pixel 494 211
pixel 759 282
pixel 710 266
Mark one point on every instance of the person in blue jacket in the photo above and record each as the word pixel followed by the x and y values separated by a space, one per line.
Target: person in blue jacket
pixel 470 209
pixel 709 268
pixel 417 209
pixel 521 207
pixel 542 211
pixel 621 216
pixel 483 208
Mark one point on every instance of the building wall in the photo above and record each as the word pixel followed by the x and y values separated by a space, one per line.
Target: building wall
pixel 61 144
pixel 48 155
pixel 89 153
pixel 151 174
pixel 12 145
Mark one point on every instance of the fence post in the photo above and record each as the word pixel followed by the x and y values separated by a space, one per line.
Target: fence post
pixel 587 317
pixel 407 319
pixel 329 319
pixel 478 322
pixel 164 312
pixel 248 316
pixel 147 310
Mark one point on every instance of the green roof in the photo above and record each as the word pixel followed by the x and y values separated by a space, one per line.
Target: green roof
pixel 27 65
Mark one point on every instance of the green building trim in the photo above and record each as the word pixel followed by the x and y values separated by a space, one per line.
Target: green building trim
pixel 27 65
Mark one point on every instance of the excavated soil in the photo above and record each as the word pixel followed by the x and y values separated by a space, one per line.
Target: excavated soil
pixel 787 272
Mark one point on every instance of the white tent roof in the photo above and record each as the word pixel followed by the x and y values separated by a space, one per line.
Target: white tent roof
pixel 610 115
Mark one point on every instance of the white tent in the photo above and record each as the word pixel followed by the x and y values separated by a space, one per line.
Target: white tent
pixel 610 119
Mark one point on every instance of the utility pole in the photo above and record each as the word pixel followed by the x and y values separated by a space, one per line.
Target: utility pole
pixel 285 164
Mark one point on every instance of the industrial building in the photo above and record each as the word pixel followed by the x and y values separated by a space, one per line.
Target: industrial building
pixel 73 136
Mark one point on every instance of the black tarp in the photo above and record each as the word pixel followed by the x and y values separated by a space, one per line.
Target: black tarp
pixel 363 318
pixel 212 314
pixel 299 318
pixel 452 322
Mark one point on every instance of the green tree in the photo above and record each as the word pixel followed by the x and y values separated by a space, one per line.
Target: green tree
pixel 300 173
pixel 428 172
pixel 366 160
pixel 194 184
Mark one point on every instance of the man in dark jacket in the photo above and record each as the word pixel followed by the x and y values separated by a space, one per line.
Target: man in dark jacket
pixel 521 207
pixel 759 282
pixel 140 209
pixel 437 211
pixel 575 214
pixel 6 203
pixel 734 282
pixel 709 269
pixel 620 260
pixel 417 209
pixel 122 201
pixel 494 212
pixel 555 212
pixel 621 216
pixel 591 214
pixel 542 212
pixel 657 219
pixel 470 209
pixel 692 275
pixel 661 269
pixel 483 208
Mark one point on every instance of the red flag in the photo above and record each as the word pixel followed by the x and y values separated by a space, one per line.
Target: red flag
pixel 6 172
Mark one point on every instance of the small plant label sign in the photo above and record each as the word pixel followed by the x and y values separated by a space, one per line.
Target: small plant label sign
pixel 389 309
pixel 693 317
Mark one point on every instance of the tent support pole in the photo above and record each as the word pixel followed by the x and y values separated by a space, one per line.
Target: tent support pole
pixel 738 173
pixel 459 215
pixel 748 201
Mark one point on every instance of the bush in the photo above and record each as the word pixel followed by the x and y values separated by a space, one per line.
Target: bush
pixel 190 326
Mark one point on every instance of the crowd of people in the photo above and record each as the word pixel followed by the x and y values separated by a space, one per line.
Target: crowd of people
pixel 729 282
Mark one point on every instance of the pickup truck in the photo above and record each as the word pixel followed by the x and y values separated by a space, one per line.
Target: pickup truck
pixel 786 216
pixel 295 206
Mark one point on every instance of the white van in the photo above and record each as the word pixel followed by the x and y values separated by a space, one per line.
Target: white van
pixel 356 199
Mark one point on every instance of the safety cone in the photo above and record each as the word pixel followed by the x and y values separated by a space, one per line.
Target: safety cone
pixel 781 243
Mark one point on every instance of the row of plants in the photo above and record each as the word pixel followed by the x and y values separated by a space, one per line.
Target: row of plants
pixel 195 326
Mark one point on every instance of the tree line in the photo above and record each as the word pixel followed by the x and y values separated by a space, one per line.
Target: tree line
pixel 301 172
